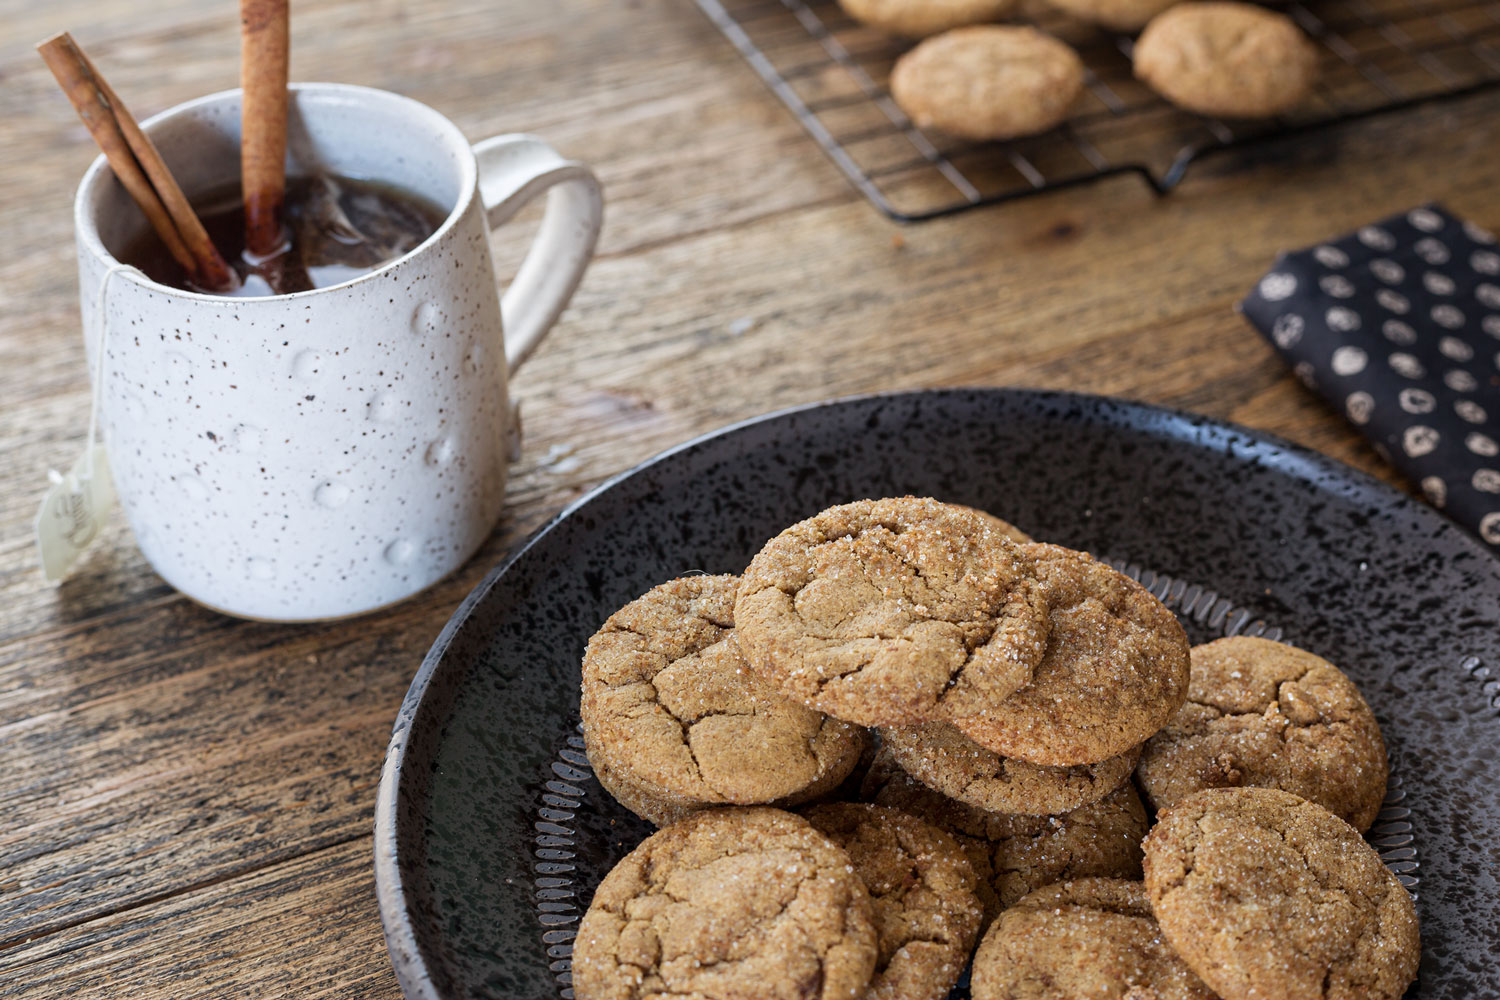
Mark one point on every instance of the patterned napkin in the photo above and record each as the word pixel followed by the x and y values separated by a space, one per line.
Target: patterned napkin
pixel 1398 327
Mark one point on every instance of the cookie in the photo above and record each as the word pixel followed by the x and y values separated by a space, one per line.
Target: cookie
pixel 1115 670
pixel 880 611
pixel 921 891
pixel 920 18
pixel 674 715
pixel 1237 60
pixel 1113 15
pixel 1264 714
pixel 1001 525
pixel 1091 937
pixel 1014 854
pixel 748 902
pixel 988 82
pixel 941 757
pixel 1265 894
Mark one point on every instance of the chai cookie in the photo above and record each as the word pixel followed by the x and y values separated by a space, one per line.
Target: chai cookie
pixel 944 759
pixel 988 82
pixel 677 717
pixel 880 611
pixel 922 893
pixel 1265 894
pixel 1115 670
pixel 1265 714
pixel 1014 854
pixel 920 18
pixel 749 902
pixel 1091 938
pixel 1113 15
pixel 1218 57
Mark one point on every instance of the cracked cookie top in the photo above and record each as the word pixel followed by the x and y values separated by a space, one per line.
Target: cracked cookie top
pixel 671 707
pixel 1013 854
pixel 730 903
pixel 1265 894
pixel 941 757
pixel 922 893
pixel 1091 937
pixel 880 611
pixel 1115 669
pixel 1262 713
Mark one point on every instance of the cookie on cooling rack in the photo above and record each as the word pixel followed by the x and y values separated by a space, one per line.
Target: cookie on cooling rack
pixel 1219 57
pixel 1113 15
pixel 988 82
pixel 920 18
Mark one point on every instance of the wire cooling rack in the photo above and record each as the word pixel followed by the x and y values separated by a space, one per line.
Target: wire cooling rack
pixel 1377 55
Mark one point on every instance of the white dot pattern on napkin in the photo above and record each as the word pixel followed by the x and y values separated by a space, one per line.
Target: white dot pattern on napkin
pixel 1359 407
pixel 1433 251
pixel 1397 326
pixel 1349 360
pixel 1331 256
pixel 1393 300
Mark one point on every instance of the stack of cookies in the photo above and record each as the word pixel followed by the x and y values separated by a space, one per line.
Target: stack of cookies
pixel 984 700
pixel 979 80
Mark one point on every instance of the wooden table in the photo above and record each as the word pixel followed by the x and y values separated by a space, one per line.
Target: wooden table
pixel 185 799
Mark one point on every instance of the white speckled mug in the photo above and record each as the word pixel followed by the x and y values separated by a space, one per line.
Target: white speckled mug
pixel 322 454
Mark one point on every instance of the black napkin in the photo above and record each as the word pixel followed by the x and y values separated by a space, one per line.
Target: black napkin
pixel 1398 326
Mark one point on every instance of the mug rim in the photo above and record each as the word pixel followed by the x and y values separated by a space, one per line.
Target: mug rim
pixel 98 171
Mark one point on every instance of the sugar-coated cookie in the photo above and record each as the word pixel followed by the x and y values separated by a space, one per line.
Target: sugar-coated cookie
pixel 880 611
pixel 1091 938
pixel 922 891
pixel 1262 713
pixel 674 720
pixel 1115 670
pixel 735 902
pixel 1265 894
pixel 944 759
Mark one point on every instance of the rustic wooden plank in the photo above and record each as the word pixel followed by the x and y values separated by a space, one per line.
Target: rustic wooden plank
pixel 307 928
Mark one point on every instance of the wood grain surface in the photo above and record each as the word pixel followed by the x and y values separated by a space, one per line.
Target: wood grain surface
pixel 185 799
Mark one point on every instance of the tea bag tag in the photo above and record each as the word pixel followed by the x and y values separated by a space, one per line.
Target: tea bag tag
pixel 73 512
pixel 77 502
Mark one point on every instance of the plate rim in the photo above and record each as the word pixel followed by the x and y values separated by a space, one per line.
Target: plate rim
pixel 407 959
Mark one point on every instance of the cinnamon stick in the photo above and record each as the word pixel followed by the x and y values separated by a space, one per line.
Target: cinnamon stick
pixel 135 161
pixel 263 75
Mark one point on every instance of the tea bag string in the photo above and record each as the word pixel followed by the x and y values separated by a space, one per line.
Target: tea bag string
pixel 101 319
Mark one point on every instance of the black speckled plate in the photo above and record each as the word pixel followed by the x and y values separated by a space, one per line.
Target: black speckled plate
pixel 490 832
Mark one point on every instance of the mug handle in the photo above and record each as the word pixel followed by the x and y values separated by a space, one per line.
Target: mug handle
pixel 514 169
